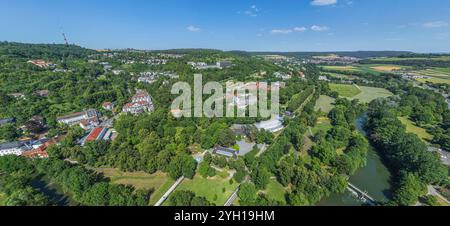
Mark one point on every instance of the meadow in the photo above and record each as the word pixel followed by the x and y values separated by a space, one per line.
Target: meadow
pixel 216 190
pixel 412 128
pixel 275 191
pixel 368 94
pixel 345 90
pixel 158 182
pixel 325 104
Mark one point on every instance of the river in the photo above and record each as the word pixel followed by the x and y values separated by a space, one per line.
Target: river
pixel 373 178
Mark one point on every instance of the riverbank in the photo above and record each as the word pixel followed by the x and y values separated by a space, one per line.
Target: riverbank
pixel 374 178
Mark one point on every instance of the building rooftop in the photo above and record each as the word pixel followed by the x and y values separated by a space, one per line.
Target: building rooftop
pixel 10 145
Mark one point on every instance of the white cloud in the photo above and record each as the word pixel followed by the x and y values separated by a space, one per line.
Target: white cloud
pixel 323 2
pixel 300 29
pixel 319 28
pixel 252 11
pixel 282 31
pixel 192 28
pixel 435 24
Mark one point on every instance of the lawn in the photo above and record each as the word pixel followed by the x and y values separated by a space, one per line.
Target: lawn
pixel 323 124
pixel 345 90
pixel 368 94
pixel 325 104
pixel 275 191
pixel 412 128
pixel 161 190
pixel 211 188
pixel 159 181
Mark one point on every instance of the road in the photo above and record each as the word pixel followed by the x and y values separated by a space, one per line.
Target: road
pixel 233 197
pixel 171 189
pixel 434 192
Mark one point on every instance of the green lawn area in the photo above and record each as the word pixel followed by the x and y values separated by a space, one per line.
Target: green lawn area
pixel 412 128
pixel 325 104
pixel 161 190
pixel 368 94
pixel 211 188
pixel 158 181
pixel 345 90
pixel 323 124
pixel 275 191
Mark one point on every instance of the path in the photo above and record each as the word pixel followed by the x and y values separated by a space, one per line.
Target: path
pixel 434 192
pixel 171 189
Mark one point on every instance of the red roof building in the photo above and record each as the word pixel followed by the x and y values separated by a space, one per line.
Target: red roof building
pixel 94 135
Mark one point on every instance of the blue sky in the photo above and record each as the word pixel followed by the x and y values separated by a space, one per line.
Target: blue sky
pixel 258 25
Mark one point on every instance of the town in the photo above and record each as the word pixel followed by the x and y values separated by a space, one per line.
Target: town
pixel 226 105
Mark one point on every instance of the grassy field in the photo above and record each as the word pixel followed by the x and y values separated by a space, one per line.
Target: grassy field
pixel 438 75
pixel 443 70
pixel 368 94
pixel 325 104
pixel 412 128
pixel 323 124
pixel 159 181
pixel 160 191
pixel 345 90
pixel 341 76
pixel 211 188
pixel 275 191
pixel 340 68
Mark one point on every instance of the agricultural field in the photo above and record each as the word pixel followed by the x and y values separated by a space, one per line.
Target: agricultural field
pixel 216 190
pixel 159 182
pixel 345 90
pixel 437 75
pixel 412 128
pixel 375 69
pixel 325 104
pixel 396 59
pixel 340 68
pixel 387 68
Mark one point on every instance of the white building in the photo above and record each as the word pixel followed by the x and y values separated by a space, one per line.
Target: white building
pixel 141 102
pixel 14 148
pixel 273 125
pixel 88 116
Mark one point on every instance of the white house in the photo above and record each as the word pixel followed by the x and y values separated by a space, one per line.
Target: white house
pixel 13 148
